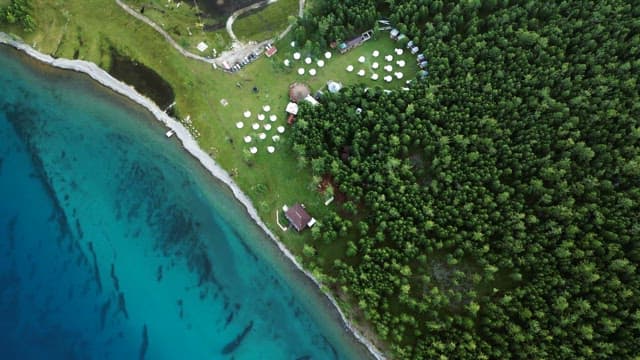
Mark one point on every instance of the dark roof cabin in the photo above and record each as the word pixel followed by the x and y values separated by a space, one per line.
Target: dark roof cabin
pixel 298 217
pixel 355 42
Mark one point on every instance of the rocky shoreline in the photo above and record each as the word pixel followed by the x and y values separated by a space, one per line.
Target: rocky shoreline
pixel 190 145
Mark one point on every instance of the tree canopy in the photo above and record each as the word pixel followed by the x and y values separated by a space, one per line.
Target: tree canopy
pixel 493 207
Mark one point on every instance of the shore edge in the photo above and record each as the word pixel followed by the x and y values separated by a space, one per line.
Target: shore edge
pixel 191 146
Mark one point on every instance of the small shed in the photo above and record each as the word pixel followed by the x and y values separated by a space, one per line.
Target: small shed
pixel 394 34
pixel 421 57
pixel 423 64
pixel 299 217
pixel 270 50
pixel 310 99
pixel 410 44
pixel 414 50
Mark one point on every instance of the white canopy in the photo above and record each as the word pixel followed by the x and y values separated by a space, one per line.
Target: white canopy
pixel 401 63
pixel 300 71
pixel 239 124
pixel 280 129
pixel 296 56
pixel 255 126
pixel 388 68
pixel 293 44
pixel 273 117
pixel 307 60
pixel 374 77
pixel 247 139
pixel 327 55
pixel 275 138
pixel 253 149
pixel 361 59
pixel 292 108
pixel 375 65
pixel 350 68
pixel 388 78
pixel 267 127
pixel 260 117
pixel 271 149
pixel 320 63
pixel 399 51
pixel 312 72
pixel 389 57
pixel 399 75
pixel 360 72
pixel 375 53
pixel 287 62
pixel 247 114
pixel 266 108
pixel 202 46
pixel 262 136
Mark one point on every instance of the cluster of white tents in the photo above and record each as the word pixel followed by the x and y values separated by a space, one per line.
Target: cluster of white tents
pixel 308 61
pixel 375 65
pixel 262 125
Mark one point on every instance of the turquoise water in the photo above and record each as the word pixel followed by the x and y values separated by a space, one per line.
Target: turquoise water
pixel 116 244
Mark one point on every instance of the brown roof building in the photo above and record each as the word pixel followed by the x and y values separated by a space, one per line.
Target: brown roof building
pixel 299 217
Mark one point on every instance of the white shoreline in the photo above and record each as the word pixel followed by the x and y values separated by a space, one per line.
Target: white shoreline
pixel 192 147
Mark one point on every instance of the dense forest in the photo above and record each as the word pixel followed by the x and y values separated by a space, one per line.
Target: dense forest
pixel 18 12
pixel 491 211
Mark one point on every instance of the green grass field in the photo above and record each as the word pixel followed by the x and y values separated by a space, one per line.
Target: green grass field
pixel 266 23
pixel 89 28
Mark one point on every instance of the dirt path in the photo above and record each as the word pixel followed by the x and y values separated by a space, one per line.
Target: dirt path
pixel 239 50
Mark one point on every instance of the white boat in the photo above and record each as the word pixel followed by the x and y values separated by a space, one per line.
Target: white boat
pixel 170 133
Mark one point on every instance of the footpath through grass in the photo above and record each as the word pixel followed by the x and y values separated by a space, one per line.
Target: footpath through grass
pixel 89 29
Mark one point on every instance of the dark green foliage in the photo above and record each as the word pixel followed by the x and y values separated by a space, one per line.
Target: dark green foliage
pixel 500 198
pixel 18 12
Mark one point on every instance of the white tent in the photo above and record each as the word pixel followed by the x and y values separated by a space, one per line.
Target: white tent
pixel 267 127
pixel 374 77
pixel 401 63
pixel 292 108
pixel 399 75
pixel 255 126
pixel 253 149
pixel 260 117
pixel 266 108
pixel 389 57
pixel 350 68
pixel 273 117
pixel 388 78
pixel 202 46
pixel 388 68
pixel 296 56
pixel 361 59
pixel 293 44
pixel 247 114
pixel 375 65
pixel 247 139
pixel 375 53
pixel 327 55
pixel 361 72
pixel 399 51
pixel 271 149
pixel 333 86
pixel 275 138
pixel 280 129
pixel 300 71
pixel 312 72
pixel 307 60
pixel 320 63
pixel 287 62
pixel 262 136
pixel 239 124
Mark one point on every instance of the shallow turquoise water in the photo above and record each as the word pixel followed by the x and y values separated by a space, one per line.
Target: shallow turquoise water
pixel 115 244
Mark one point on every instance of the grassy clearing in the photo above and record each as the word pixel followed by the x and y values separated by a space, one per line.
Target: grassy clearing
pixel 265 23
pixel 185 25
pixel 88 29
